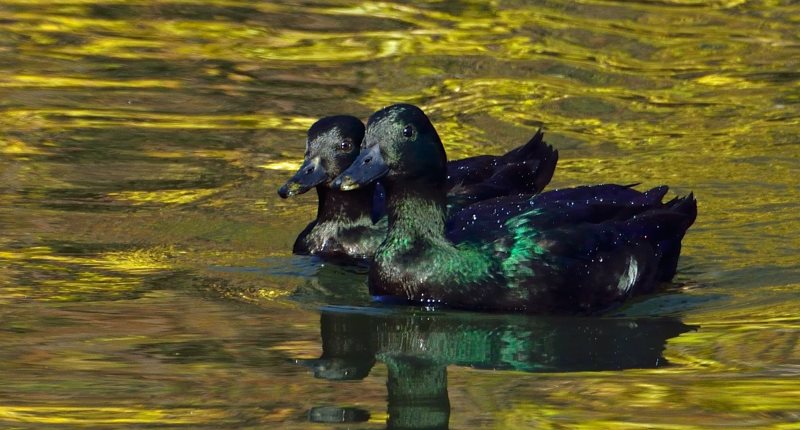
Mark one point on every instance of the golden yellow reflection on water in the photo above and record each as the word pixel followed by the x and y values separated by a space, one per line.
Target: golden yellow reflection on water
pixel 141 145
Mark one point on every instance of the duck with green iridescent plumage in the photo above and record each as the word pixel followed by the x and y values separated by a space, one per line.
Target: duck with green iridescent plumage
pixel 350 225
pixel 578 250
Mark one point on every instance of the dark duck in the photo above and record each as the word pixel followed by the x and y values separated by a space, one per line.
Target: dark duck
pixel 350 225
pixel 579 250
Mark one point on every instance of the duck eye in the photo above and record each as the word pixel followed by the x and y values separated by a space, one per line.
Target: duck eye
pixel 346 145
pixel 408 131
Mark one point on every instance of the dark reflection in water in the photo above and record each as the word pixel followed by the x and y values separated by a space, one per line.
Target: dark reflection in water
pixel 417 346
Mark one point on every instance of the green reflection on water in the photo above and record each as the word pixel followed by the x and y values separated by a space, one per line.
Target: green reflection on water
pixel 141 145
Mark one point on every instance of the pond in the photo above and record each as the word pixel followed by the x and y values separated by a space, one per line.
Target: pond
pixel 146 275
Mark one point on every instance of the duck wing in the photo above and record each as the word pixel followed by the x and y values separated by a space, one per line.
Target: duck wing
pixel 508 180
pixel 526 169
pixel 582 255
pixel 485 220
pixel 599 265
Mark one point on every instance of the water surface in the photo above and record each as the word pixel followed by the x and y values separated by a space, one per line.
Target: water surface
pixel 146 278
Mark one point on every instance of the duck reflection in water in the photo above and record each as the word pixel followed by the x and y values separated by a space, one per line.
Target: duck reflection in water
pixel 417 346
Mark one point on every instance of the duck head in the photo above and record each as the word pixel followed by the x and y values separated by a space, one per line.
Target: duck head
pixel 332 145
pixel 400 145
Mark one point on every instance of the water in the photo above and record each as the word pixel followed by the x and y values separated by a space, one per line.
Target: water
pixel 146 279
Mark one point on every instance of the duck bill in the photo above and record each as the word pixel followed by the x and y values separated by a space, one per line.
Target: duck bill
pixel 368 167
pixel 310 174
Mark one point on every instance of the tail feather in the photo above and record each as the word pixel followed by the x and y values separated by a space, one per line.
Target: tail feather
pixel 535 150
pixel 671 250
pixel 685 205
pixel 665 228
pixel 534 146
pixel 546 169
pixel 655 194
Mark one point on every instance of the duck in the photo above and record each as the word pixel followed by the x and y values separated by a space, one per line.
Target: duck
pixel 581 250
pixel 349 226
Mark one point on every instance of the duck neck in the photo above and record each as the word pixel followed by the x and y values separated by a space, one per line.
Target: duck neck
pixel 417 255
pixel 340 206
pixel 416 211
